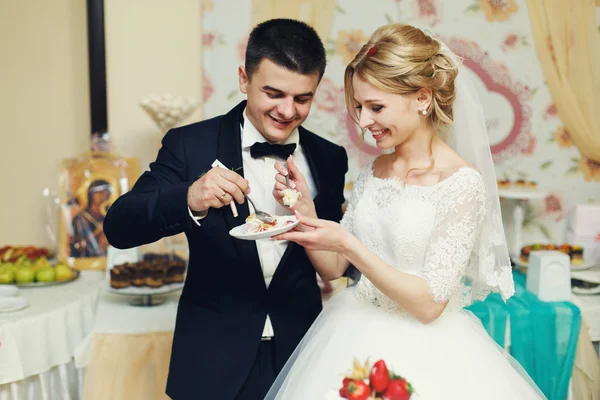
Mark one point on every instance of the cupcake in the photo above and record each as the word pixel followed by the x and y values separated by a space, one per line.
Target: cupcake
pixel 120 277
pixel 531 184
pixel 503 184
pixel 175 272
pixel 565 248
pixel 138 274
pixel 576 255
pixel 155 274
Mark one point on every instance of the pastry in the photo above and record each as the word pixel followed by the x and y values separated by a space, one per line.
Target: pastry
pixel 576 255
pixel 120 277
pixel 155 275
pixel 175 272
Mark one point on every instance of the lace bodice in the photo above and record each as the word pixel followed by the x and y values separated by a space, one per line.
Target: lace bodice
pixel 428 231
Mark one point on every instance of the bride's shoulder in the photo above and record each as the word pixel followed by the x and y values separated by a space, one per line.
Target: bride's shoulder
pixel 451 164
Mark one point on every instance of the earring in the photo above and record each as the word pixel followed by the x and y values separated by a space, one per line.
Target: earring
pixel 423 112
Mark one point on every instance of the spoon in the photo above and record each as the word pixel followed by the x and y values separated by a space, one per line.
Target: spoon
pixel 263 216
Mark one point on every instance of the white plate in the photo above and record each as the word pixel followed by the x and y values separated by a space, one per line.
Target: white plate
pixel 145 290
pixel 574 267
pixel 8 304
pixel 8 291
pixel 281 227
pixel 521 194
pixel 594 291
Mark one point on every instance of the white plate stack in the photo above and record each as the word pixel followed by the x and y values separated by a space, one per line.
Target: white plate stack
pixel 10 300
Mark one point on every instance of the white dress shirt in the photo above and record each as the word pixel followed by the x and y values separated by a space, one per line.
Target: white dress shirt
pixel 260 173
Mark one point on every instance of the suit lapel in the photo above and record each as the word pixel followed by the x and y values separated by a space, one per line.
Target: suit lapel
pixel 229 152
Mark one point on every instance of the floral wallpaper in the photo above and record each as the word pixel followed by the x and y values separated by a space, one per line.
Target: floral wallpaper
pixel 527 138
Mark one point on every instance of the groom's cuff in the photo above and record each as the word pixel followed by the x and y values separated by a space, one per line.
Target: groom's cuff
pixel 197 216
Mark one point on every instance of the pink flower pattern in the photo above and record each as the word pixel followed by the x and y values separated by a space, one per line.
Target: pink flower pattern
pixel 329 97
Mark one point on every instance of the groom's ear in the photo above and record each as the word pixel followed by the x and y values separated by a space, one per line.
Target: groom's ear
pixel 243 79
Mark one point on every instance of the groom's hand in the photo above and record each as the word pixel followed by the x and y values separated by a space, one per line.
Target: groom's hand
pixel 217 188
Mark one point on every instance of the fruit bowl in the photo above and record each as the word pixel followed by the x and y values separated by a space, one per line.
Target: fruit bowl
pixel 38 273
pixel 75 275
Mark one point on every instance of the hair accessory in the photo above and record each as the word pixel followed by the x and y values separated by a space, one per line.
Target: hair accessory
pixel 371 51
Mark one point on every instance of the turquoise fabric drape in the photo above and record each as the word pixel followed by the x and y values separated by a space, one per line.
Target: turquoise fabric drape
pixel 543 336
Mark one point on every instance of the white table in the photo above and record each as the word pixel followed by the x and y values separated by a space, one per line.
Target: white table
pixel 590 310
pixel 37 343
pixel 127 353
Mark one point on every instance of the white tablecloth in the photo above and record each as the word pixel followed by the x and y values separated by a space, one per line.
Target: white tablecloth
pixel 116 315
pixel 37 343
pixel 126 357
pixel 64 382
pixel 590 310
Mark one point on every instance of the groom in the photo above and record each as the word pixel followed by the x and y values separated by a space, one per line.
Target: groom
pixel 245 304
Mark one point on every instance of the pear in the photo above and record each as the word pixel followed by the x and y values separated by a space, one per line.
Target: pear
pixel 63 273
pixel 45 274
pixel 7 275
pixel 25 274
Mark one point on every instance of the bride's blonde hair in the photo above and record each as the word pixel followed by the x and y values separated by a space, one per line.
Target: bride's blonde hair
pixel 402 59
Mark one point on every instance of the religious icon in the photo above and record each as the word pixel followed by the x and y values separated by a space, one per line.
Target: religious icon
pixel 89 184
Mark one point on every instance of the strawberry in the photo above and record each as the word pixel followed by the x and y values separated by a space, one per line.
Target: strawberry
pixel 358 390
pixel 379 378
pixel 344 388
pixel 398 389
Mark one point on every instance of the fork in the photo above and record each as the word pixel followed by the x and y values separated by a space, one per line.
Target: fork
pixel 287 176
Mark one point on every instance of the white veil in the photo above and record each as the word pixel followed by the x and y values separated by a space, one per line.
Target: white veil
pixel 491 270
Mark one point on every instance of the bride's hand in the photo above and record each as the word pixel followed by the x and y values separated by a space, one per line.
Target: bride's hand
pixel 304 204
pixel 318 234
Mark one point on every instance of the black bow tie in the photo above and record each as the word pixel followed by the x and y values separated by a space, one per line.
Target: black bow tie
pixel 263 149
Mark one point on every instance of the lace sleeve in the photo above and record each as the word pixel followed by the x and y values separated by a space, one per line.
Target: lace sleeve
pixel 347 221
pixel 460 213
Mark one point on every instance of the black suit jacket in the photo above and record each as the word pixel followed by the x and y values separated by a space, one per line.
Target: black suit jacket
pixel 225 301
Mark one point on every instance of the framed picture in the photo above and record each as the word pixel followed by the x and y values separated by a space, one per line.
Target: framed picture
pixel 88 187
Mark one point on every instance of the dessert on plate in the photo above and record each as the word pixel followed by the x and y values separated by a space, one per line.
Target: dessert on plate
pixel 574 252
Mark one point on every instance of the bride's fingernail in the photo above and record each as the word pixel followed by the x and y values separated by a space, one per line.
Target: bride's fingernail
pixel 292 185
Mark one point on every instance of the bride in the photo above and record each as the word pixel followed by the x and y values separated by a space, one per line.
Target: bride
pixel 422 226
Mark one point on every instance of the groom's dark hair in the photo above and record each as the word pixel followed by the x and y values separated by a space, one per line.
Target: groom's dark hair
pixel 289 43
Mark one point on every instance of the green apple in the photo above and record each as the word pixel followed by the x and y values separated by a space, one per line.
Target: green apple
pixel 45 274
pixel 7 275
pixel 63 273
pixel 25 274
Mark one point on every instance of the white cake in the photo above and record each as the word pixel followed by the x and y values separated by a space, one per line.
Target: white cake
pixel 290 197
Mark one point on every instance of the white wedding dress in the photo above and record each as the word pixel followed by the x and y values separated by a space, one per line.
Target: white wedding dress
pixel 431 232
